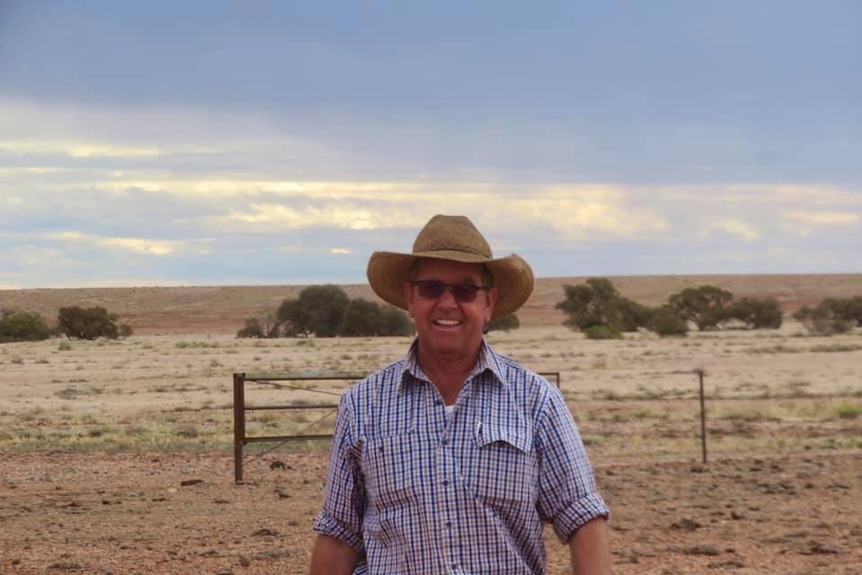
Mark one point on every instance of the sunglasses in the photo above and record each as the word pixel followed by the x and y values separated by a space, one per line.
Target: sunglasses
pixel 434 290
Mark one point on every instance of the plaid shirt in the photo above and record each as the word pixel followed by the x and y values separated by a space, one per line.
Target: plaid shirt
pixel 417 491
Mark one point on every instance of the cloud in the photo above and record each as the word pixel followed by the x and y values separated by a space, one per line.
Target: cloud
pixel 737 229
pixel 101 195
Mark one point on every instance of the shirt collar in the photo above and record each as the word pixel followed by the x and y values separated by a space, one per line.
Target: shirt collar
pixel 488 362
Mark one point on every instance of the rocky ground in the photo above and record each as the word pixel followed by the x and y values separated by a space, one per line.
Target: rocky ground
pixel 793 513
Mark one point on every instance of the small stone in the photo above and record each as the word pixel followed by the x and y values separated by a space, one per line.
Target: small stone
pixel 705 549
pixel 686 525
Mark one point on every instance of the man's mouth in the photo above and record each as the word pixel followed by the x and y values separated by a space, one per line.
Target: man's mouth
pixel 447 322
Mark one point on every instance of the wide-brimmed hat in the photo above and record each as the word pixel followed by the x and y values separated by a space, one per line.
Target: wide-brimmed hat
pixel 453 238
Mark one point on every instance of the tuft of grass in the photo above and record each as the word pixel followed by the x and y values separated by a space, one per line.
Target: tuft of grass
pixel 847 410
pixel 196 345
pixel 64 346
pixel 836 347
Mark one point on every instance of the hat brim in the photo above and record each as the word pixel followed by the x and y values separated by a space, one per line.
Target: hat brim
pixel 513 277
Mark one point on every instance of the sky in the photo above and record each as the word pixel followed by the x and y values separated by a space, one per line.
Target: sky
pixel 210 142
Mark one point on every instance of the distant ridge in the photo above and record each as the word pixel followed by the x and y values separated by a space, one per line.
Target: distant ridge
pixel 223 309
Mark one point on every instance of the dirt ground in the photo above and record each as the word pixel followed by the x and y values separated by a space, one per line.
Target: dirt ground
pixel 790 514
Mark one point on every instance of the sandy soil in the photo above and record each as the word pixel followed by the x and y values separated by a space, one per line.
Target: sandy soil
pixel 792 513
pixel 116 457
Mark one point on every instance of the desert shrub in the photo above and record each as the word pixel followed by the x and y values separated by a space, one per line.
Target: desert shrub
pixel 756 313
pixel 22 326
pixel 318 310
pixel 822 320
pixel 326 311
pixel 705 306
pixel 848 410
pixel 366 318
pixel 251 329
pixel 504 323
pixel 594 303
pixel 361 317
pixel 601 332
pixel 393 321
pixel 87 323
pixel 634 315
pixel 126 330
pixel 598 303
pixel 667 322
pixel 849 310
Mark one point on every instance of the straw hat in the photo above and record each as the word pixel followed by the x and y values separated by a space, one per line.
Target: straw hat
pixel 453 238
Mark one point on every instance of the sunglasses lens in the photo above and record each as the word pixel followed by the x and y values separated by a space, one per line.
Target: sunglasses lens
pixel 464 293
pixel 433 290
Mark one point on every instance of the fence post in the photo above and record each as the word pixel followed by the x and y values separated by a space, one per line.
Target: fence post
pixel 700 373
pixel 238 424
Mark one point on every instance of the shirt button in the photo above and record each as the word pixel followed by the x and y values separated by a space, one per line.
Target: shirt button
pixel 448 525
pixel 444 442
pixel 445 483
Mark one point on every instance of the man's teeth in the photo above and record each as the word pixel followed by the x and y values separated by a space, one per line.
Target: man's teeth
pixel 447 322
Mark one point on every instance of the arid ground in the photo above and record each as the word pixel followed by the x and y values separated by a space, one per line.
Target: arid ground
pixel 117 456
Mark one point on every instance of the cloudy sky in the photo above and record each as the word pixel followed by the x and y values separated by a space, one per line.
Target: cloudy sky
pixel 208 142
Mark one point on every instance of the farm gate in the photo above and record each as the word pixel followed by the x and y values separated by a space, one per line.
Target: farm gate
pixel 292 382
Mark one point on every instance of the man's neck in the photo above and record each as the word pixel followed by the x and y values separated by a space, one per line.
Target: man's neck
pixel 447 372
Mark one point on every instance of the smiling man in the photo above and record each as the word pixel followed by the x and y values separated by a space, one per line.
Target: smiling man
pixel 452 459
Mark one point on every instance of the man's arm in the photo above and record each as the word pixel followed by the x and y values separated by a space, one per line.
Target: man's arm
pixel 332 556
pixel 591 553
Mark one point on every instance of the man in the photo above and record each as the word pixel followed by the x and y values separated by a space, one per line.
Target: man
pixel 450 460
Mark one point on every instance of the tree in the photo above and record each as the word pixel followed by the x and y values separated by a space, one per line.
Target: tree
pixel 705 306
pixel 295 319
pixel 666 321
pixel 87 323
pixel 394 321
pixel 634 315
pixel 822 319
pixel 594 303
pixel 366 318
pixel 252 329
pixel 849 310
pixel 503 323
pixel 22 326
pixel 756 313
pixel 361 317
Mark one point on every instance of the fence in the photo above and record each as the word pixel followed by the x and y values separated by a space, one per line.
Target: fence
pixel 240 437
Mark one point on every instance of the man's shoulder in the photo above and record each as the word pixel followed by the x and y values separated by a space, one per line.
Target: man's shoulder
pixel 390 375
pixel 513 371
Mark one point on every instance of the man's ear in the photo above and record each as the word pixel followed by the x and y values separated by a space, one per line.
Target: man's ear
pixel 493 296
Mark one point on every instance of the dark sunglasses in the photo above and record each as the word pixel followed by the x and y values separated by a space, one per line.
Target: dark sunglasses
pixel 434 290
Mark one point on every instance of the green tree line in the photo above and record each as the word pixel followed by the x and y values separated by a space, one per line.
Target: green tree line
pixel 597 309
pixel 73 322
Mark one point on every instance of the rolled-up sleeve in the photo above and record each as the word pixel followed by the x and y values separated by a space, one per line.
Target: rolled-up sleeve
pixel 344 500
pixel 568 497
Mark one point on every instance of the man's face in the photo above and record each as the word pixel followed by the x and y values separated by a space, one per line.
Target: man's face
pixel 445 325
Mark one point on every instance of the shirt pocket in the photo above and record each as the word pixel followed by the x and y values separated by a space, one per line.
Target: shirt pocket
pixel 389 472
pixel 502 471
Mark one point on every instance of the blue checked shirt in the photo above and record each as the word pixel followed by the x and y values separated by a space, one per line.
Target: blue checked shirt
pixel 417 491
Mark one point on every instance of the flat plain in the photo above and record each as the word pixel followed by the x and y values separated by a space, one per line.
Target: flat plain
pixel 117 456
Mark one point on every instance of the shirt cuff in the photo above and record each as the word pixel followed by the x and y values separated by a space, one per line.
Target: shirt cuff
pixel 571 518
pixel 325 525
